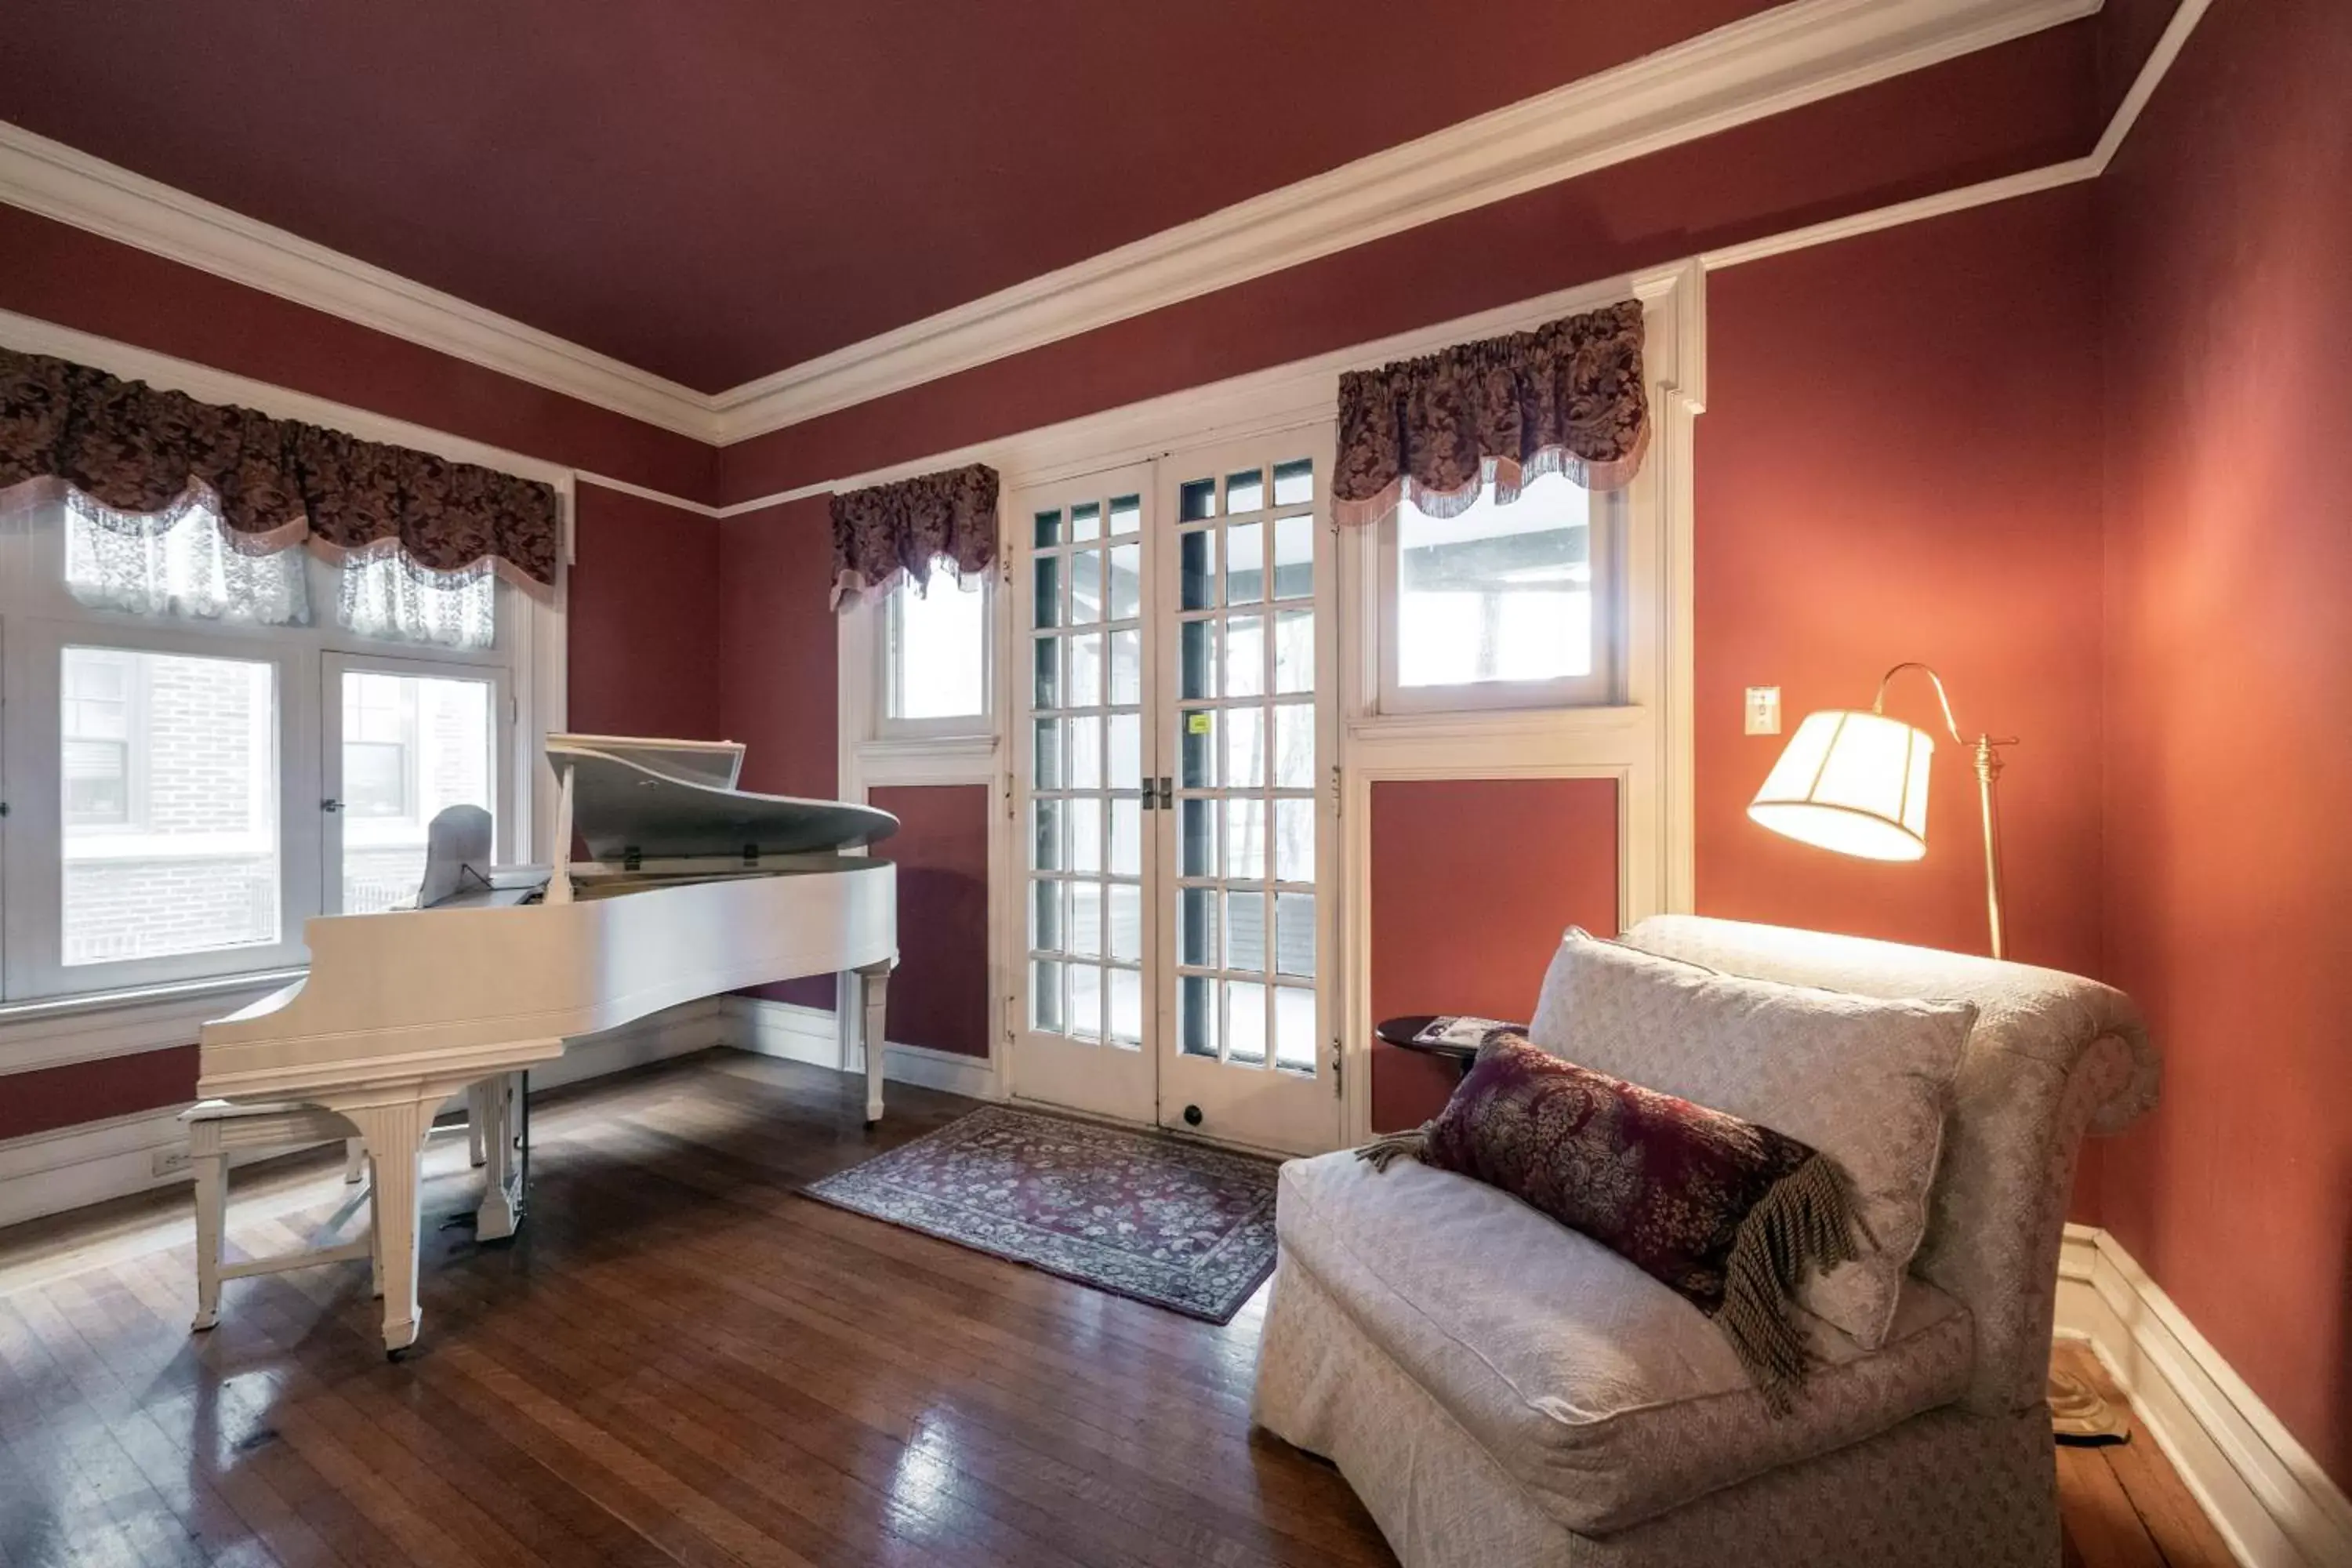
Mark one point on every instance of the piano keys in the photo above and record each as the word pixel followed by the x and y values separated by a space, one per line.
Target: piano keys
pixel 695 888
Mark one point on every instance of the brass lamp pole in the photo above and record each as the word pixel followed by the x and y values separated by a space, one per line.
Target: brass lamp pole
pixel 1988 764
pixel 1857 782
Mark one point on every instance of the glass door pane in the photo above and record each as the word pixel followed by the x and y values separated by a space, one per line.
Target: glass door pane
pixel 408 746
pixel 1081 795
pixel 1244 715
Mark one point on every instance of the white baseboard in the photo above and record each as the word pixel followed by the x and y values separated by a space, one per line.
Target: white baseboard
pixel 801 1034
pixel 70 1167
pixel 2272 1502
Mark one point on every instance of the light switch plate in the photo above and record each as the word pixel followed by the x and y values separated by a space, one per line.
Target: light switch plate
pixel 1763 709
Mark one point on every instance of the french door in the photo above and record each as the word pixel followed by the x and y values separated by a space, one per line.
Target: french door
pixel 1174 735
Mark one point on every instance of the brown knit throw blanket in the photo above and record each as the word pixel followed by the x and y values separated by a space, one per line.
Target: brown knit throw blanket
pixel 1774 1210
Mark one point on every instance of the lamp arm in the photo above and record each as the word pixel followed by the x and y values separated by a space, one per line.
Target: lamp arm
pixel 1988 768
pixel 1943 699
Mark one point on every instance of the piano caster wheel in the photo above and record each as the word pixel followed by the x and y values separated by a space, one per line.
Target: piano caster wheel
pixel 396 1354
pixel 872 1125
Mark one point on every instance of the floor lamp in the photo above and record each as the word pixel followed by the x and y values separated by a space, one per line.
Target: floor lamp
pixel 1856 784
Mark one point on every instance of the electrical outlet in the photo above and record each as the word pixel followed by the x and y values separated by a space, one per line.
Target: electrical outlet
pixel 1763 710
pixel 170 1160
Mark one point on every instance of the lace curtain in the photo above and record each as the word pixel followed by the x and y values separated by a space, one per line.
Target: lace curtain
pixel 1567 397
pixel 385 594
pixel 178 562
pixel 185 561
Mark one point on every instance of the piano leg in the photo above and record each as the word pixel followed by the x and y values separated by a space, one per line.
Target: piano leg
pixel 394 1135
pixel 873 994
pixel 501 1207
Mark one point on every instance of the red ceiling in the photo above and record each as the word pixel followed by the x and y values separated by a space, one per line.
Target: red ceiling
pixel 715 189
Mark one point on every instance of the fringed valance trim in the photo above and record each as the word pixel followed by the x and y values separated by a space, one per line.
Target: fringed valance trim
pixel 1566 398
pixel 888 534
pixel 142 452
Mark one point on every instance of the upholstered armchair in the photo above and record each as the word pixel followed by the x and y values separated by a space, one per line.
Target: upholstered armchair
pixel 1501 1391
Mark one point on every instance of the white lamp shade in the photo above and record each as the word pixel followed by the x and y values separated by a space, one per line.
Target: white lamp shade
pixel 1855 783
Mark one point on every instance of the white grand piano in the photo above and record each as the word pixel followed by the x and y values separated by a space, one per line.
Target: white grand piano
pixel 693 888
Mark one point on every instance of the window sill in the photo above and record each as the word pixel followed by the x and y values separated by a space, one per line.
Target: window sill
pixel 56 1031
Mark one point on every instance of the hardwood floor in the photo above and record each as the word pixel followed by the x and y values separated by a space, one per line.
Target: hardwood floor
pixel 680 1361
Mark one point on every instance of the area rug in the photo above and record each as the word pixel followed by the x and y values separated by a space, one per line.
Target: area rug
pixel 1140 1214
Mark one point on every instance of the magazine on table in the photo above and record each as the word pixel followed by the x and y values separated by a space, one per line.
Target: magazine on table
pixel 1460 1031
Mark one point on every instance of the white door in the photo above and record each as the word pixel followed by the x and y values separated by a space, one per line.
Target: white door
pixel 1081 1015
pixel 404 739
pixel 1173 734
pixel 1246 854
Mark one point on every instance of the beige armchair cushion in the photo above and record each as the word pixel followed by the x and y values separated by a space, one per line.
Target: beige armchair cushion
pixel 1865 1080
pixel 1609 1398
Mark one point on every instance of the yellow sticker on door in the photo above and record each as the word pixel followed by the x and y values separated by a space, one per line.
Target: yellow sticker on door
pixel 1198 723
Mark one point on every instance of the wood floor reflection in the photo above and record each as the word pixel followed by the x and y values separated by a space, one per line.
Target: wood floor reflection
pixel 678 1361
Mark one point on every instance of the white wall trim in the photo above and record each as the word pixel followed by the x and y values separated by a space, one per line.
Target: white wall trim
pixel 1796 54
pixel 643 492
pixel 787 1029
pixel 91 1162
pixel 2272 1504
pixel 72 187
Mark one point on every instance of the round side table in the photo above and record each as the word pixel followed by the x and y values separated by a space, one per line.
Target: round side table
pixel 1400 1032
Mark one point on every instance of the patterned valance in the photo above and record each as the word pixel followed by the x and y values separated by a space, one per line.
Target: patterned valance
pixel 1564 398
pixel 274 482
pixel 889 531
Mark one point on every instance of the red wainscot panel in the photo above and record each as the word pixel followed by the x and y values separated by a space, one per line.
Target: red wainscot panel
pixel 1473 882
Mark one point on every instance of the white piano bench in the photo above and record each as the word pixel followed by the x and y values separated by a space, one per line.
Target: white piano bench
pixel 219 1127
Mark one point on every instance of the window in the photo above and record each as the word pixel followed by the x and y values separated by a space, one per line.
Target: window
pixel 201 749
pixel 1498 605
pixel 193 865
pixel 416 739
pixel 935 660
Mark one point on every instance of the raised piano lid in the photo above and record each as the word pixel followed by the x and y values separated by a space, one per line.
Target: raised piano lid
pixel 714 762
pixel 631 795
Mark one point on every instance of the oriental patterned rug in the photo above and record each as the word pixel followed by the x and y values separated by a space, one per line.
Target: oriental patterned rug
pixel 1141 1214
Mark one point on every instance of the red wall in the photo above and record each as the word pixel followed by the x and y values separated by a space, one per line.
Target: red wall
pixel 1900 460
pixel 1465 922
pixel 2020 106
pixel 2228 222
pixel 939 996
pixel 777 678
pixel 49 1098
pixel 645 649
pixel 76 279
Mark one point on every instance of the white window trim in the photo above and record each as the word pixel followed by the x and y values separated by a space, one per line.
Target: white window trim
pixel 135 1005
pixel 1644 740
pixel 1609 524
pixel 337 826
pixel 875 621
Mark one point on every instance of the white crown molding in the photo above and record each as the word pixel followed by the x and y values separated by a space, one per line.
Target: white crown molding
pixel 1795 54
pixel 58 182
pixel 1257 402
pixel 1777 60
pixel 2090 166
pixel 1780 59
pixel 2273 1505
